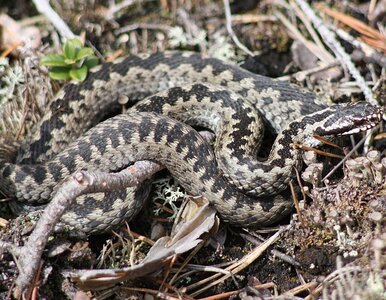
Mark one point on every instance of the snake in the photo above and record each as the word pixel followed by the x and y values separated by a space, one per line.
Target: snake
pixel 77 132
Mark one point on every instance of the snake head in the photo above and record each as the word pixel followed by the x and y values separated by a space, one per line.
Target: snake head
pixel 349 119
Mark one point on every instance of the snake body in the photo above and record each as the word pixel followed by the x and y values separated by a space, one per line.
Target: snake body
pixel 78 107
pixel 233 181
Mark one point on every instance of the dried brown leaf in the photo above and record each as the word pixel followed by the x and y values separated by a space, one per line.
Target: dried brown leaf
pixel 185 238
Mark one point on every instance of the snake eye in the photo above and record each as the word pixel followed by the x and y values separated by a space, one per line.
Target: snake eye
pixel 358 121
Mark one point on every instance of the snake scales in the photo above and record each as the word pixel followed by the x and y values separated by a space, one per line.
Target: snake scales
pixel 224 98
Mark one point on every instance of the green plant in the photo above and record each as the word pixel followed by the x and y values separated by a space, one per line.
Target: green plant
pixel 74 63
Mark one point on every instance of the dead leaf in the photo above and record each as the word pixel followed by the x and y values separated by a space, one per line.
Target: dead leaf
pixel 184 239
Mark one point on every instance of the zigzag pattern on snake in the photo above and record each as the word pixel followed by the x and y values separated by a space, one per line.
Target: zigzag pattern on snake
pixel 117 142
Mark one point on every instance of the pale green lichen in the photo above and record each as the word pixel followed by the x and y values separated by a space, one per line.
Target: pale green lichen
pixel 224 49
pixel 10 79
pixel 168 193
pixel 352 285
pixel 11 101
pixel 179 38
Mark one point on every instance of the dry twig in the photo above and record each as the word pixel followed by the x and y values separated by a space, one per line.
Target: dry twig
pixel 320 52
pixel 301 75
pixel 43 6
pixel 191 28
pixel 228 18
pixel 80 183
pixel 368 34
pixel 113 9
pixel 136 26
pixel 252 18
pixel 370 54
pixel 336 47
pixel 240 265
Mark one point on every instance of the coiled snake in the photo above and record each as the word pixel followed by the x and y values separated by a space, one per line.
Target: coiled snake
pixel 222 97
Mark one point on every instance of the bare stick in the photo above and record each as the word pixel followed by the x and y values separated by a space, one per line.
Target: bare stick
pixel 301 75
pixel 43 6
pixel 370 53
pixel 117 7
pixel 80 183
pixel 285 257
pixel 308 25
pixel 241 264
pixel 192 29
pixel 11 248
pixel 150 26
pixel 334 45
pixel 252 18
pixel 228 18
pixel 321 53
